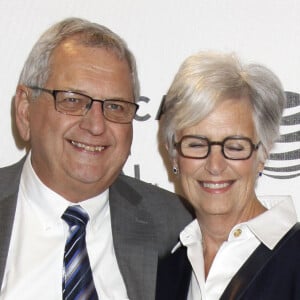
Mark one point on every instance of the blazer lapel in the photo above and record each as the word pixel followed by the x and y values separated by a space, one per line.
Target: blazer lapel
pixel 255 264
pixel 134 241
pixel 173 276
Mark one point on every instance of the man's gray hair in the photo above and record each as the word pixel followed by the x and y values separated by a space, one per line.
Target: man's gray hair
pixel 37 66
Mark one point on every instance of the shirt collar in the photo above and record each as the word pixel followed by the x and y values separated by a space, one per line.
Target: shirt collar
pixel 269 227
pixel 273 224
pixel 49 206
pixel 191 234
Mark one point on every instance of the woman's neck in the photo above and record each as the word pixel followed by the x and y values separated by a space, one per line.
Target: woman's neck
pixel 215 229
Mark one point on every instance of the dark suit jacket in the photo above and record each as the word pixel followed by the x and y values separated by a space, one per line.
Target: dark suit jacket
pixel 266 275
pixel 146 222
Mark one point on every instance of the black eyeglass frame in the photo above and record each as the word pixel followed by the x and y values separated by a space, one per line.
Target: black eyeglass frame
pixel 254 147
pixel 92 100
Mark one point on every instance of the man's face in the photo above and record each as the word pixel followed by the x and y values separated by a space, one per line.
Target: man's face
pixel 78 156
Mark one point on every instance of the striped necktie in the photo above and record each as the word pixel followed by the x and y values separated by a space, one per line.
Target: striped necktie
pixel 78 281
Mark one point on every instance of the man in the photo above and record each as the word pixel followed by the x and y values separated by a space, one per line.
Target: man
pixel 74 105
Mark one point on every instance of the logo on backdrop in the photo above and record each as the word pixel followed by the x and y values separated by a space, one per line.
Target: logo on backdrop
pixel 281 165
pixel 146 116
pixel 286 164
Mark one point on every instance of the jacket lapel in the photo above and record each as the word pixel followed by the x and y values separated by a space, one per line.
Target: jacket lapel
pixel 134 241
pixel 253 266
pixel 173 276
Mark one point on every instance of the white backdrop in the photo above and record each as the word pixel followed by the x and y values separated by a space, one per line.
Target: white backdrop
pixel 161 34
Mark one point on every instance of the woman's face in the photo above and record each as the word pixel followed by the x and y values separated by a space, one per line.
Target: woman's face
pixel 216 185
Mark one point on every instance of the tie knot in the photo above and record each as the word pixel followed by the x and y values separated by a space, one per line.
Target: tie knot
pixel 75 215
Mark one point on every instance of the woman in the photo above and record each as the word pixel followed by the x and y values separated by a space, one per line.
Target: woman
pixel 220 120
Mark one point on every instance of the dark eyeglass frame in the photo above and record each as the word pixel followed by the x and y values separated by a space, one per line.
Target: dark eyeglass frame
pixel 89 106
pixel 254 147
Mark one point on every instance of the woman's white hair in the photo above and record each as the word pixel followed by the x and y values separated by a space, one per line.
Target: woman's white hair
pixel 208 78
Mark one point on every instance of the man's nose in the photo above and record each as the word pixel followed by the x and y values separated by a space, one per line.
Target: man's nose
pixel 94 120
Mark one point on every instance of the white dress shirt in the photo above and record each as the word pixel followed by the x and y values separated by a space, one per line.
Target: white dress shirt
pixel 267 228
pixel 35 259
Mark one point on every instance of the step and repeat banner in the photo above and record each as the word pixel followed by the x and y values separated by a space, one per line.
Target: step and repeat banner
pixel 161 34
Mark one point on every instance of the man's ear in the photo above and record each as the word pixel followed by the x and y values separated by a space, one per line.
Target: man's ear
pixel 166 147
pixel 22 113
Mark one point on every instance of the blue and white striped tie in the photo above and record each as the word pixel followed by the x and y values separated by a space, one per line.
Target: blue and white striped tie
pixel 78 281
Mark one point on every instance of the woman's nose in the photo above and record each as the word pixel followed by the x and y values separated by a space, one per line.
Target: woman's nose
pixel 215 162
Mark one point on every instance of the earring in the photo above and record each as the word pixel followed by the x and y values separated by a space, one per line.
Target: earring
pixel 175 170
pixel 260 174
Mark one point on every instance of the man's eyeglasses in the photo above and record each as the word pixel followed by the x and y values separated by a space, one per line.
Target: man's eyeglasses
pixel 233 148
pixel 77 104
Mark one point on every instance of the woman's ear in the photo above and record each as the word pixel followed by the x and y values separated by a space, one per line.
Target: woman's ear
pixel 261 167
pixel 22 113
pixel 175 167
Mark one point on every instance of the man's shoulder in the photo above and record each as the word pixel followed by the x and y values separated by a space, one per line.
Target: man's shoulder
pixel 13 169
pixel 157 199
pixel 10 176
pixel 147 188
